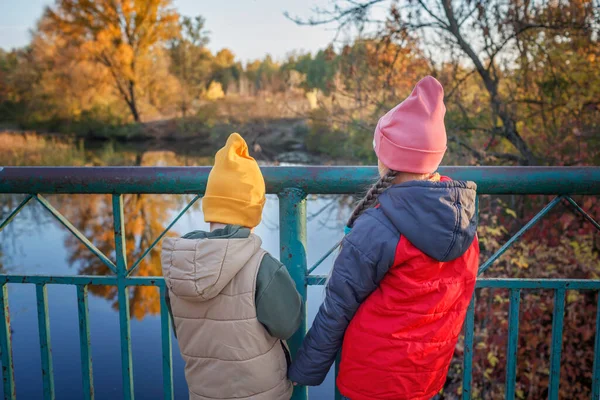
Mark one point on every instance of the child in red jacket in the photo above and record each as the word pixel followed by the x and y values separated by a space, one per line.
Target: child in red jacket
pixel 400 287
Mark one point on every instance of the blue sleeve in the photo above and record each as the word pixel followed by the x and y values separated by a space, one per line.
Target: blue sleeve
pixel 366 255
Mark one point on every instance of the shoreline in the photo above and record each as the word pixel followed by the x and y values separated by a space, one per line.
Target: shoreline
pixel 269 141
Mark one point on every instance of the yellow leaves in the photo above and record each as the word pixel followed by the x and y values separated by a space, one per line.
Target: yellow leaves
pixel 224 58
pixel 574 245
pixel 492 359
pixel 572 296
pixel 495 231
pixel 488 373
pixel 500 300
pixel 521 262
pixel 215 91
pixel 312 98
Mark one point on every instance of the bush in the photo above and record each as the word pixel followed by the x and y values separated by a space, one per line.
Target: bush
pixel 352 143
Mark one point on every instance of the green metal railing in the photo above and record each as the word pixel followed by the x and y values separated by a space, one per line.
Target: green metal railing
pixel 292 185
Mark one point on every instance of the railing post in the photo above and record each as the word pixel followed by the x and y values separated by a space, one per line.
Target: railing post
pixel 513 341
pixel 87 375
pixel 558 316
pixel 45 344
pixel 596 367
pixel 8 374
pixel 121 258
pixel 338 360
pixel 292 239
pixel 167 352
pixel 468 352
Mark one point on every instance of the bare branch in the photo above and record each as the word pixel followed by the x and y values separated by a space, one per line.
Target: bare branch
pixel 432 15
pixel 336 15
pixel 483 156
pixel 458 84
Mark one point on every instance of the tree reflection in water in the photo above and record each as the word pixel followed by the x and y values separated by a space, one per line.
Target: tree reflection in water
pixel 146 216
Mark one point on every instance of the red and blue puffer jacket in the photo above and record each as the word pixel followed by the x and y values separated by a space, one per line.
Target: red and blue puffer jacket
pixel 397 295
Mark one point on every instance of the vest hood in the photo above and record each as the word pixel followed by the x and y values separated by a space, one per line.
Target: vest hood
pixel 199 269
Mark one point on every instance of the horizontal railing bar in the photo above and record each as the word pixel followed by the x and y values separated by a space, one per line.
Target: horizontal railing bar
pixel 311 180
pixel 567 284
pixel 508 283
pixel 313 280
pixel 82 280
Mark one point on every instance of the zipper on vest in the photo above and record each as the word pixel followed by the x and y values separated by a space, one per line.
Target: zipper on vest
pixel 288 358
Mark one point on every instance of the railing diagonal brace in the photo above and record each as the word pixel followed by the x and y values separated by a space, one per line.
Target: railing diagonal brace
pixel 76 232
pixel 14 213
pixel 583 212
pixel 324 257
pixel 521 232
pixel 139 260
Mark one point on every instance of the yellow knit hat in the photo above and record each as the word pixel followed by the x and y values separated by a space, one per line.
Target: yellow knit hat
pixel 235 193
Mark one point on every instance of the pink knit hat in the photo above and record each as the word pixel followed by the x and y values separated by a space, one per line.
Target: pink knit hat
pixel 411 137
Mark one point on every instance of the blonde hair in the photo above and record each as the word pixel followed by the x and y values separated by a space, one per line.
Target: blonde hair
pixel 387 180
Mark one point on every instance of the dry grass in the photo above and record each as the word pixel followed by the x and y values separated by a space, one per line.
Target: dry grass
pixel 261 107
pixel 29 148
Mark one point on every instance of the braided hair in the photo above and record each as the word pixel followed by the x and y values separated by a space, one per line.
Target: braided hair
pixel 370 198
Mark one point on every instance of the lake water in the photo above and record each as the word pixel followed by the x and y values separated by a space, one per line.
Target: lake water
pixel 35 243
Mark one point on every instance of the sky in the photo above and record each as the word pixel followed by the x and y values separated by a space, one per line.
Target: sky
pixel 250 28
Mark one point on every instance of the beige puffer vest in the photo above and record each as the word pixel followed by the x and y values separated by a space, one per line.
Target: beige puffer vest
pixel 228 353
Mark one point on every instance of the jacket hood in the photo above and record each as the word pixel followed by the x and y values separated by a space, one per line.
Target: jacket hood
pixel 199 269
pixel 438 218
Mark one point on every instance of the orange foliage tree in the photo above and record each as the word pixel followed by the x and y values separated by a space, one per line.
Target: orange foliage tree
pixel 121 36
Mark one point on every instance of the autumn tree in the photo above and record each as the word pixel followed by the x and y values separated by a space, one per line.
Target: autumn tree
pixel 356 85
pixel 120 36
pixel 319 70
pixel 557 86
pixel 265 74
pixel 191 60
pixel 484 38
pixel 10 95
pixel 225 69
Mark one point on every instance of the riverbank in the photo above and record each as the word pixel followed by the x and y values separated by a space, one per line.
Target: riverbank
pixel 270 141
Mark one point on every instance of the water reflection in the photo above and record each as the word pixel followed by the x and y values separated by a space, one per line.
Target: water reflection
pixel 146 216
pixel 35 243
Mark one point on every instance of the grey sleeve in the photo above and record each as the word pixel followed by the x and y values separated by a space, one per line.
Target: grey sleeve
pixel 279 306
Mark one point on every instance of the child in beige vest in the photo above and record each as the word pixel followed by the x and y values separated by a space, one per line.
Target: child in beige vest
pixel 232 303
